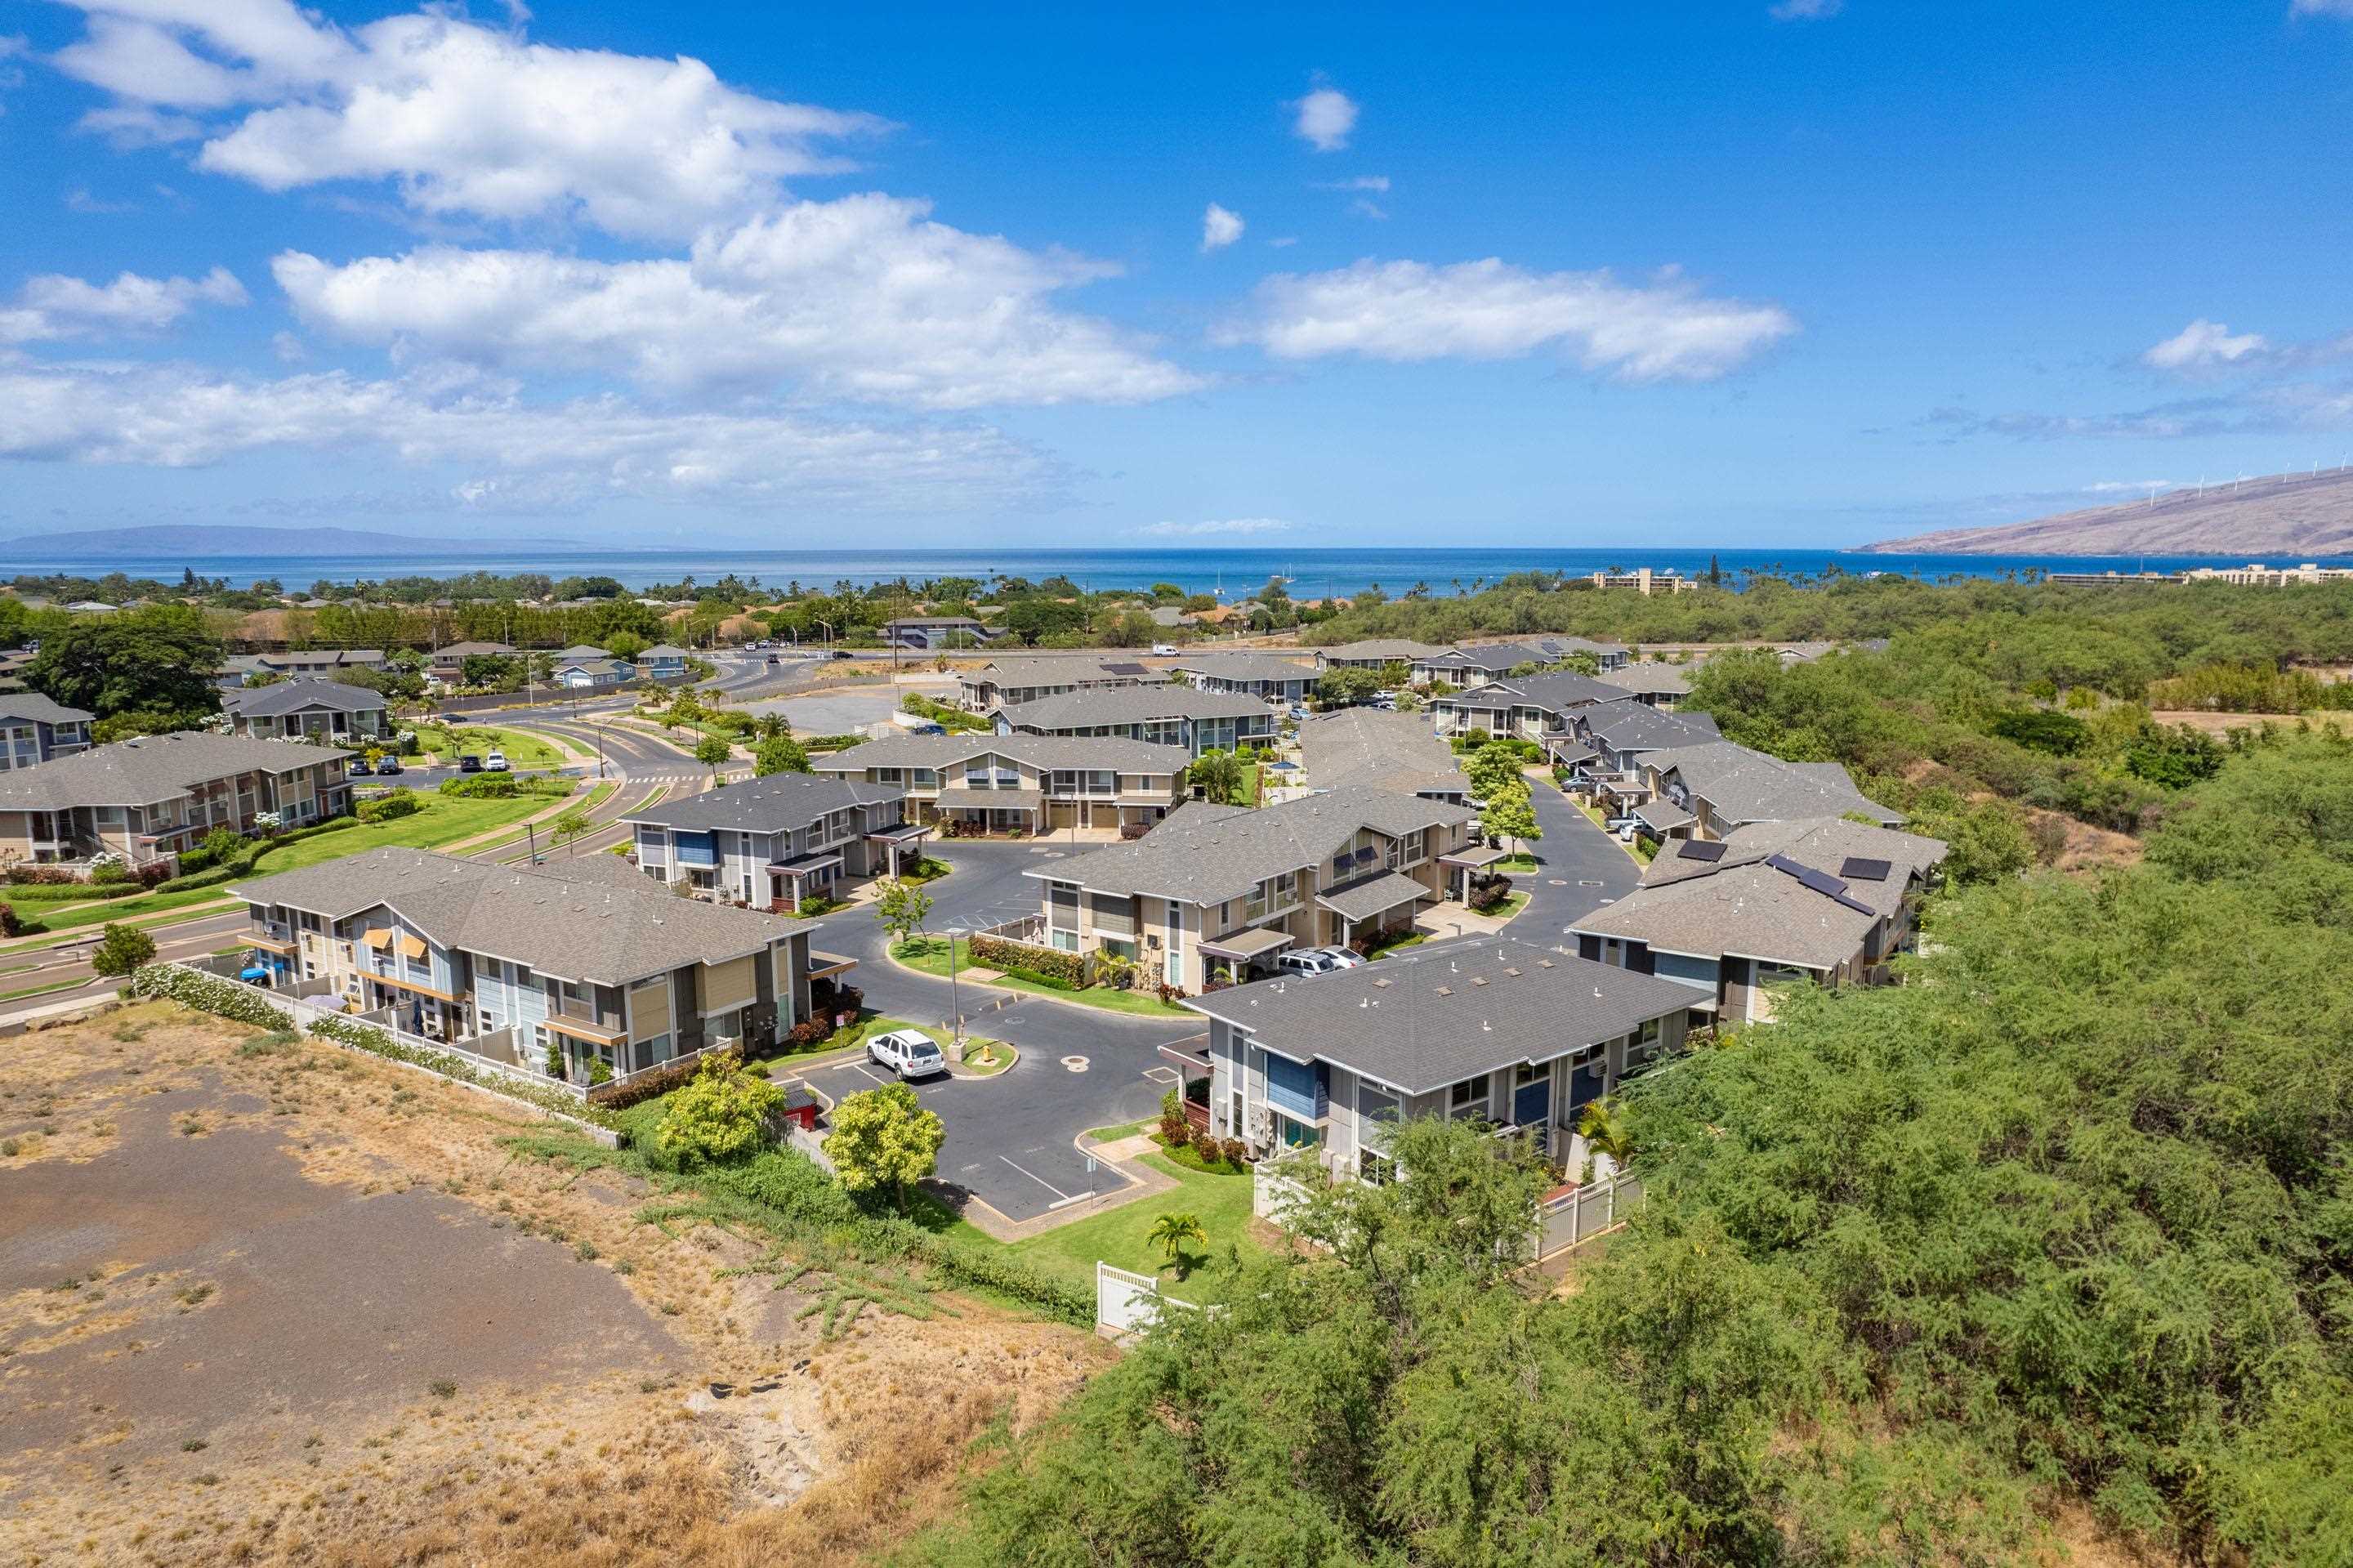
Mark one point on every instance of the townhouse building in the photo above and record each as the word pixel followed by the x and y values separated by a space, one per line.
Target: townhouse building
pixel 1707 790
pixel 1218 889
pixel 1375 653
pixel 145 800
pixel 1603 748
pixel 1511 1036
pixel 33 729
pixel 580 964
pixel 1036 783
pixel 1822 898
pixel 1660 685
pixel 1259 675
pixel 309 708
pixel 1529 707
pixel 1010 683
pixel 1160 716
pixel 1393 751
pixel 445 666
pixel 928 631
pixel 662 662
pixel 309 661
pixel 773 842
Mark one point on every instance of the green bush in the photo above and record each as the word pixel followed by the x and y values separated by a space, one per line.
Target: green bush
pixel 208 993
pixel 1049 966
pixel 832 742
pixel 505 786
pixel 400 802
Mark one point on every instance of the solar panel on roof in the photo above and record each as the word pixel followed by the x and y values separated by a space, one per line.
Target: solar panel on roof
pixel 1127 669
pixel 1701 848
pixel 1858 869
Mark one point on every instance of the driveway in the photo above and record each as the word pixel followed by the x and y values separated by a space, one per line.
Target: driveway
pixel 1583 868
pixel 1010 1137
pixel 846 711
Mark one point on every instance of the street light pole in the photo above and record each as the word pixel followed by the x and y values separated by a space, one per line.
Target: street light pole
pixel 955 997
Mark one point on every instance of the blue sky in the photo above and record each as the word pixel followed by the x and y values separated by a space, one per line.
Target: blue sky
pixel 1603 274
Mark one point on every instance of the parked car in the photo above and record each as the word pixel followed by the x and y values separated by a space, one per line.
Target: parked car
pixel 1308 962
pixel 387 769
pixel 908 1053
pixel 1614 823
pixel 359 767
pixel 772 659
pixel 1347 957
pixel 469 763
pixel 496 762
pixel 1164 649
pixel 1626 834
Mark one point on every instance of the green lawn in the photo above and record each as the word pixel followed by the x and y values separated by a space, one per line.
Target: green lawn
pixel 929 955
pixel 1520 864
pixel 524 750
pixel 1512 906
pixel 443 819
pixel 1117 1236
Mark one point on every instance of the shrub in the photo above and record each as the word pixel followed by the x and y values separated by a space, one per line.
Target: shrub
pixel 718 1117
pixel 209 993
pixel 11 923
pixel 121 950
pixel 1049 966
pixel 400 802
pixel 661 1080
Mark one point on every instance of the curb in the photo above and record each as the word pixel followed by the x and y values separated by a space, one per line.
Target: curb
pixel 1036 995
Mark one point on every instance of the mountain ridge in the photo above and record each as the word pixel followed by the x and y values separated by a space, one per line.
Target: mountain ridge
pixel 2306 514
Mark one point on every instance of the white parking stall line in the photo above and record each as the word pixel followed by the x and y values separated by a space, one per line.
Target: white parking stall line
pixel 1058 1192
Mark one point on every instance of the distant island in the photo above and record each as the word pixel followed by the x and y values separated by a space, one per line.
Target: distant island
pixel 2283 514
pixel 201 541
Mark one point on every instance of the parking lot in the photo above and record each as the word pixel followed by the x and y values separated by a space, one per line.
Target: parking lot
pixel 1011 1137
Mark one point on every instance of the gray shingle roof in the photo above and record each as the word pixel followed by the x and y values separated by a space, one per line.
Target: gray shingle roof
pixel 1046 670
pixel 35 708
pixel 292 696
pixel 1490 659
pixel 592 919
pixel 1822 842
pixel 1418 1021
pixel 1745 786
pixel 1095 751
pixel 455 652
pixel 1556 644
pixel 151 767
pixel 1383 750
pixel 1373 896
pixel 1131 704
pixel 1208 854
pixel 1402 649
pixel 665 651
pixel 1556 691
pixel 1245 667
pixel 1629 726
pixel 1753 909
pixel 1650 676
pixel 775 804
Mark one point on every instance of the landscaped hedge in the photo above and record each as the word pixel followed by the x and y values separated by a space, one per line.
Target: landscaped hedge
pixel 380 1043
pixel 401 802
pixel 208 993
pixel 832 742
pixel 70 892
pixel 230 870
pixel 505 786
pixel 661 1080
pixel 1050 964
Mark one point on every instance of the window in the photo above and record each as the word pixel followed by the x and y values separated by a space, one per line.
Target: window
pixel 1469 1097
pixel 1528 1073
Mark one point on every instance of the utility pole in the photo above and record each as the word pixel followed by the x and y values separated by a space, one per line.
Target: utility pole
pixel 955 997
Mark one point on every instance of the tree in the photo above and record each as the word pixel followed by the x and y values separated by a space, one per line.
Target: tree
pixel 712 752
pixel 903 906
pixel 570 826
pixel 160 659
pixel 626 645
pixel 1606 1131
pixel 121 949
pixel 1493 769
pixel 1220 777
pixel 780 753
pixel 883 1138
pixel 1347 687
pixel 717 1117
pixel 490 670
pixel 1172 1231
pixel 1510 813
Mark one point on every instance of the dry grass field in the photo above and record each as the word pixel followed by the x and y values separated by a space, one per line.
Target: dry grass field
pixel 272 1302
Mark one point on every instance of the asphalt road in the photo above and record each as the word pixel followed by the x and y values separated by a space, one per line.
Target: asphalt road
pixel 1583 868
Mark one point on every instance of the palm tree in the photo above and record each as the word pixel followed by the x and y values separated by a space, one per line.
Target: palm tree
pixel 1606 1131
pixel 1171 1232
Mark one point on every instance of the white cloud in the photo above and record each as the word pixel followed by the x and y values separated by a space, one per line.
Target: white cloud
pixel 1220 227
pixel 2321 8
pixel 1361 182
pixel 1283 243
pixel 1226 525
pixel 2131 486
pixel 861 298
pixel 463 117
pixel 1410 311
pixel 507 452
pixel 1806 10
pixel 53 306
pixel 1365 207
pixel 2203 344
pixel 289 348
pixel 1326 118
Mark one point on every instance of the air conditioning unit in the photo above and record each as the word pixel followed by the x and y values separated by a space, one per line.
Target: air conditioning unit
pixel 1151 941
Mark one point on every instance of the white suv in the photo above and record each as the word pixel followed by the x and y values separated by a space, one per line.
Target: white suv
pixel 907 1053
pixel 1310 961
pixel 496 762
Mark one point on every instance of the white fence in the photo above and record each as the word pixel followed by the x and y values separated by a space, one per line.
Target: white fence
pixel 1127 1302
pixel 1273 1195
pixel 1582 1212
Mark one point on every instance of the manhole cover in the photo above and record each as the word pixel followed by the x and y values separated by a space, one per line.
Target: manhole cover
pixel 1056 854
pixel 1074 1063
pixel 1556 882
pixel 1589 882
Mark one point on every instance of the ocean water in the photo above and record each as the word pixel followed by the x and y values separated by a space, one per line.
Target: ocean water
pixel 1238 573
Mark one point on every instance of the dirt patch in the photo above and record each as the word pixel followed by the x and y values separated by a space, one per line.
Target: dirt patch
pixel 2082 847
pixel 297 1304
pixel 2221 725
